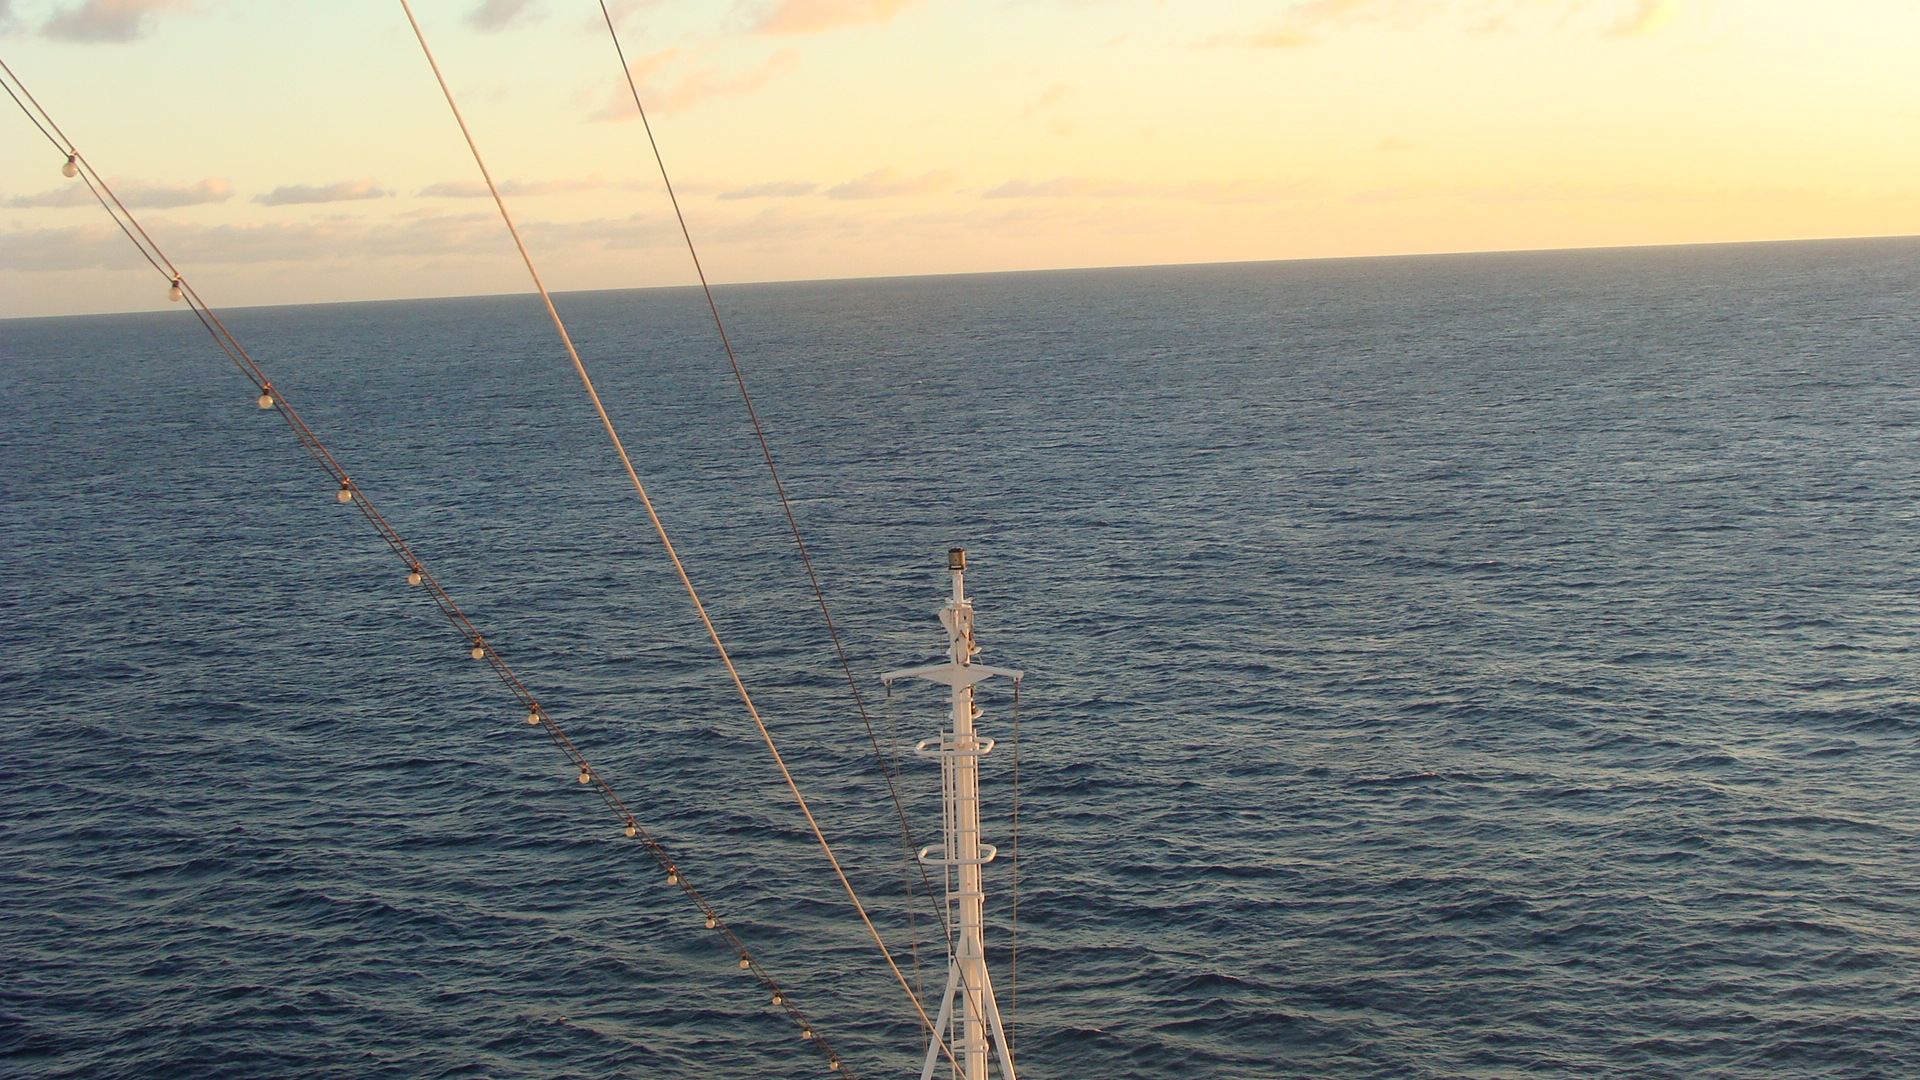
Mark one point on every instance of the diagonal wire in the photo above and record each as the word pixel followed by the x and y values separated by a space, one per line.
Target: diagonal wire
pixel 887 769
pixel 660 530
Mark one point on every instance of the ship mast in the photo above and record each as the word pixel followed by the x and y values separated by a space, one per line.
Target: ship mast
pixel 969 1020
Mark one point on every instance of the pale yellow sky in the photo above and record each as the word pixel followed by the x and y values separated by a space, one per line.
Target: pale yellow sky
pixel 286 153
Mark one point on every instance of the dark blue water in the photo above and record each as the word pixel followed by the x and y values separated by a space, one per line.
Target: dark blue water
pixel 1484 666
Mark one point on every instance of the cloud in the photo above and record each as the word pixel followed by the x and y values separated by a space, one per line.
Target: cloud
pixel 668 81
pixel 1303 24
pixel 137 194
pixel 344 191
pixel 473 189
pixel 71 195
pixel 1297 28
pixel 455 189
pixel 168 196
pixel 624 11
pixel 1066 188
pixel 500 14
pixel 97 21
pixel 775 189
pixel 1051 96
pixel 1648 18
pixel 812 16
pixel 102 246
pixel 1512 194
pixel 1206 191
pixel 888 184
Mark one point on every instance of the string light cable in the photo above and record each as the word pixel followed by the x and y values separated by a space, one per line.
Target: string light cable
pixel 660 531
pixel 348 492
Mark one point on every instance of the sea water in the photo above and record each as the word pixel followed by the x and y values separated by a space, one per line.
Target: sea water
pixel 1481 666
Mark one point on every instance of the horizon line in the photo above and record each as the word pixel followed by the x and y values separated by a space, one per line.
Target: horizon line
pixel 719 285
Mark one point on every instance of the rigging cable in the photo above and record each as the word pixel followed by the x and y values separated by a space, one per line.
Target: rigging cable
pixel 906 872
pixel 350 493
pixel 660 530
pixel 889 772
pixel 1013 1007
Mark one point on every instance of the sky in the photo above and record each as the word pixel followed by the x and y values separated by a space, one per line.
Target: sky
pixel 301 152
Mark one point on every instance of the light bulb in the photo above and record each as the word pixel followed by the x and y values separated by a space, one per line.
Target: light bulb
pixel 834 1065
pixel 413 578
pixel 632 831
pixel 266 399
pixel 673 879
pixel 586 777
pixel 778 1000
pixel 713 922
pixel 745 963
pixel 346 492
pixel 72 168
pixel 479 652
pixel 806 1033
pixel 533 718
pixel 176 293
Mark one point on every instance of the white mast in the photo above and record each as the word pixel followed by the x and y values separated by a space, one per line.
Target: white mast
pixel 969 1029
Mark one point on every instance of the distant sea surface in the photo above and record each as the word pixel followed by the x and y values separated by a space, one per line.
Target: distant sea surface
pixel 1449 667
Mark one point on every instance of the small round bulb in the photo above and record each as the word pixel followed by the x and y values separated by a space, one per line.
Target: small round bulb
pixel 713 922
pixel 413 578
pixel 631 831
pixel 266 399
pixel 346 492
pixel 176 293
pixel 479 652
pixel 834 1065
pixel 533 718
pixel 673 879
pixel 745 963
pixel 778 1000
pixel 586 777
pixel 72 168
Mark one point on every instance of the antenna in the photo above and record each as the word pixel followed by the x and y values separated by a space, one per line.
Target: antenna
pixel 969 1016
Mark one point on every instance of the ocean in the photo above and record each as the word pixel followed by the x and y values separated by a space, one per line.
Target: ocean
pixel 1474 666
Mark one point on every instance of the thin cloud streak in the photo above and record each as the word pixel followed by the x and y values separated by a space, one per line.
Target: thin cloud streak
pixel 1306 23
pixel 776 189
pixel 1648 19
pixel 668 83
pixel 107 21
pixel 71 195
pixel 473 189
pixel 492 15
pixel 888 183
pixel 1204 191
pixel 344 191
pixel 792 17
pixel 136 194
pixel 95 247
pixel 1514 194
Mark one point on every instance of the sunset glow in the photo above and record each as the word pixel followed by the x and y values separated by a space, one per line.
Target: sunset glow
pixel 293 153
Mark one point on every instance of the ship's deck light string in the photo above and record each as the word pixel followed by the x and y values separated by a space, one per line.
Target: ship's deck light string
pixel 686 582
pixel 887 770
pixel 417 572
